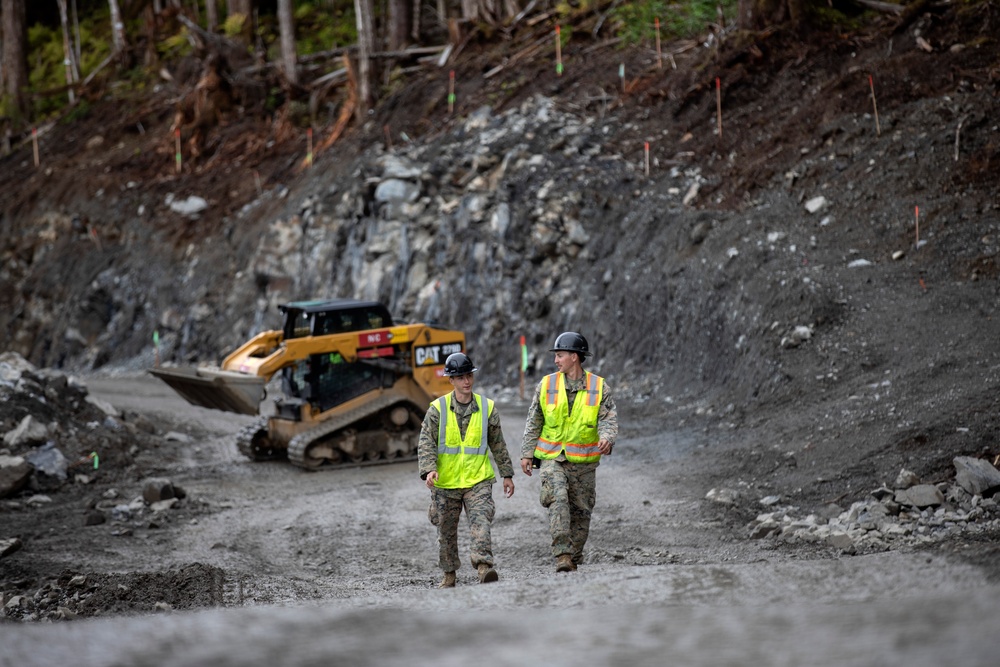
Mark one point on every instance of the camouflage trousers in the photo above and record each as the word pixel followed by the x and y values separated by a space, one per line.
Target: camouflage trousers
pixel 445 511
pixel 569 491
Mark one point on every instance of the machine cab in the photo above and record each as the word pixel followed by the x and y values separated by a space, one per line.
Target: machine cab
pixel 321 318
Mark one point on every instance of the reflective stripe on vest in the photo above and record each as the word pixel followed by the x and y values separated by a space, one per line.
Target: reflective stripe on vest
pixel 444 413
pixel 574 432
pixel 463 464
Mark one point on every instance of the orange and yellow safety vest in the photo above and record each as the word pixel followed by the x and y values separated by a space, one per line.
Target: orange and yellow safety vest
pixel 573 432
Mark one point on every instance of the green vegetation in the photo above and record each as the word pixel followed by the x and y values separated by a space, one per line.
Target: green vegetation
pixel 318 28
pixel 46 69
pixel 828 17
pixel 175 46
pixel 635 21
pixel 323 28
pixel 79 112
pixel 320 25
pixel 232 27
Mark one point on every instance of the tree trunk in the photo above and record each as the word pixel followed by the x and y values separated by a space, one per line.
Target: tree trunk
pixel 415 21
pixel 69 59
pixel 212 14
pixel 15 54
pixel 494 12
pixel 400 23
pixel 470 9
pixel 366 38
pixel 286 25
pixel 76 31
pixel 117 29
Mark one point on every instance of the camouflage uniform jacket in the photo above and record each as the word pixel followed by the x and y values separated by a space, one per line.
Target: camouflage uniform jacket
pixel 428 444
pixel 607 418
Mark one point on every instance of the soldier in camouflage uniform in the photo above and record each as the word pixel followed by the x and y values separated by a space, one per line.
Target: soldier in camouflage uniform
pixel 454 463
pixel 570 424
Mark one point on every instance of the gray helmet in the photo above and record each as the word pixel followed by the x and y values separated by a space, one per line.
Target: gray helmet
pixel 458 364
pixel 571 341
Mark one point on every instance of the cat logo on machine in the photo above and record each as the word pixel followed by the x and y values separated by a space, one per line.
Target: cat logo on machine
pixel 431 355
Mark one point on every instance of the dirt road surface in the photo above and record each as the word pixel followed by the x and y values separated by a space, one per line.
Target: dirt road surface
pixel 339 567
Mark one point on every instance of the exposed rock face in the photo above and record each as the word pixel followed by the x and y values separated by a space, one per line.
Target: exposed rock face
pixel 518 223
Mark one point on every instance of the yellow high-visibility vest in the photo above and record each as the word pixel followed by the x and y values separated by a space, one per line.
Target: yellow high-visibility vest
pixel 574 432
pixel 463 462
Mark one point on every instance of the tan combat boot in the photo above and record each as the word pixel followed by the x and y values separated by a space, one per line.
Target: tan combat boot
pixel 448 581
pixel 487 574
pixel 565 563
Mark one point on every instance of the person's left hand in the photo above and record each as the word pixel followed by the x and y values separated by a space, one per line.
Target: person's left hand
pixel 604 446
pixel 508 487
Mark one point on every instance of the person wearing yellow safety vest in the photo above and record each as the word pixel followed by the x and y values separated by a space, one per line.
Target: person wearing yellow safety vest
pixel 460 430
pixel 571 423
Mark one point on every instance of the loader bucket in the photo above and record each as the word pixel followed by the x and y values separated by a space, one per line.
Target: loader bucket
pixel 213 388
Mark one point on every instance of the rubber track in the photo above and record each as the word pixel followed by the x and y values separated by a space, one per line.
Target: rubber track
pixel 298 445
pixel 244 439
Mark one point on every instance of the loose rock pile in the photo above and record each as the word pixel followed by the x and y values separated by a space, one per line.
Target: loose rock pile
pixel 910 513
pixel 74 595
pixel 64 455
pixel 55 432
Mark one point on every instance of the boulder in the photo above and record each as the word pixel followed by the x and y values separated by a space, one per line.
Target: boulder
pixel 841 541
pixel 193 205
pixel 94 518
pixel 976 476
pixel 920 496
pixel 12 365
pixel 723 496
pixel 905 479
pixel 14 474
pixel 156 490
pixel 29 431
pixel 103 406
pixel 816 203
pixel 48 460
pixel 9 546
pixel 394 190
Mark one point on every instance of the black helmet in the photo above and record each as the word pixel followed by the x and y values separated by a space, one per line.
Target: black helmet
pixel 571 341
pixel 458 364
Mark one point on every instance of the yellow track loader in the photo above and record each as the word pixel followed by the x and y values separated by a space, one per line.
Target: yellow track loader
pixel 354 385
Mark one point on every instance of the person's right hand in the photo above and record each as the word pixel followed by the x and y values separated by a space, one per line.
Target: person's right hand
pixel 525 467
pixel 431 478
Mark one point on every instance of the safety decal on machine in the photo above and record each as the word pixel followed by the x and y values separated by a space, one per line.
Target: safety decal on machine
pixel 375 338
pixel 395 336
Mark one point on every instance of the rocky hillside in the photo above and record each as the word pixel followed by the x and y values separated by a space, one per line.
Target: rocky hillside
pixel 813 254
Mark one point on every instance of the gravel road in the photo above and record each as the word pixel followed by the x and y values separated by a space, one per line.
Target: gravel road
pixel 329 567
